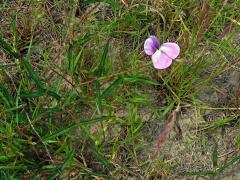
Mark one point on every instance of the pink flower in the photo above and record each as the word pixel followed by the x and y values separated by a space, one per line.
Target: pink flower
pixel 162 56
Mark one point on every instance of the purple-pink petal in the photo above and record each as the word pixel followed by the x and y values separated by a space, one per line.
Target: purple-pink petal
pixel 151 45
pixel 161 60
pixel 170 49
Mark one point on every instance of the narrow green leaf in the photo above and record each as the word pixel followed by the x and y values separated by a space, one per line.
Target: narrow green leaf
pixel 32 74
pixel 46 111
pixel 83 40
pixel 6 96
pixel 40 92
pixel 238 141
pixel 53 94
pixel 8 48
pixel 76 60
pixel 98 174
pixel 101 159
pixel 98 96
pixel 133 79
pixel 168 109
pixel 222 122
pixel 70 55
pixel 111 88
pixel 228 164
pixel 68 160
pixel 22 167
pixel 100 70
pixel 60 132
pixel 74 125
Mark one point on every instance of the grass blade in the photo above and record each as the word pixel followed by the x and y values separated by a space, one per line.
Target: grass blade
pixel 22 167
pixel 101 159
pixel 111 88
pixel 83 40
pixel 228 164
pixel 221 122
pixel 127 79
pixel 68 160
pixel 8 48
pixel 39 93
pixel 98 96
pixel 52 94
pixel 60 132
pixel 133 79
pixel 6 96
pixel 41 90
pixel 32 74
pixel 74 125
pixel 101 66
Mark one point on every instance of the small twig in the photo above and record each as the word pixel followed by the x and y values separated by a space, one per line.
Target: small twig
pixel 225 154
pixel 59 74
pixel 219 108
pixel 212 108
pixel 124 3
pixel 7 64
pixel 40 138
pixel 169 88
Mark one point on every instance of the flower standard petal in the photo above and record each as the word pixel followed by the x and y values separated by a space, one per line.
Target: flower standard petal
pixel 170 49
pixel 151 45
pixel 161 60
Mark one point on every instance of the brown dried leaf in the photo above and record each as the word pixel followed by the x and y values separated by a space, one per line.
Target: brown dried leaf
pixel 164 135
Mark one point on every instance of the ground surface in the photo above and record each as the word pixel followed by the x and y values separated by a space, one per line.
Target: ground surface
pixel 80 99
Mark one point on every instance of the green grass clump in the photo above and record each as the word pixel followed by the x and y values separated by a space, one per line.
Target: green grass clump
pixel 76 88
